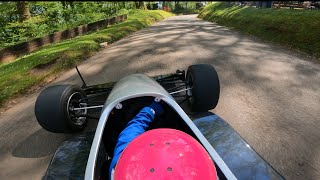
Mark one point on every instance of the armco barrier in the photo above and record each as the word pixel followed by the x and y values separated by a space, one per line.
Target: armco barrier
pixel 12 52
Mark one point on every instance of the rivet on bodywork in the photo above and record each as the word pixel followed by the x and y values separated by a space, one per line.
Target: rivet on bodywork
pixel 157 99
pixel 119 106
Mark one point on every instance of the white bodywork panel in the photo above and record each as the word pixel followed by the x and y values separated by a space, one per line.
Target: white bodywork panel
pixel 140 85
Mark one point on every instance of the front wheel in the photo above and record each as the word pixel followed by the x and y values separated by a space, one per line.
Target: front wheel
pixel 203 81
pixel 54 109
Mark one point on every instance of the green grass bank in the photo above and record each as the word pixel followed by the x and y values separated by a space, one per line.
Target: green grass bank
pixel 297 29
pixel 20 75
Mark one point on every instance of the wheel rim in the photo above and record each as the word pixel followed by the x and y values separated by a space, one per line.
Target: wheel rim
pixel 189 85
pixel 74 102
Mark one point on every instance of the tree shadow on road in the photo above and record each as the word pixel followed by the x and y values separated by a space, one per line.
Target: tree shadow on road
pixel 39 144
pixel 257 72
pixel 262 71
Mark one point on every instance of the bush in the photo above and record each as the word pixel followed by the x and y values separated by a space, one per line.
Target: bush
pixel 123 11
pixel 17 32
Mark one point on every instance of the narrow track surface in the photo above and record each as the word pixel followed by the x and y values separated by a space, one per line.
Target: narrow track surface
pixel 269 94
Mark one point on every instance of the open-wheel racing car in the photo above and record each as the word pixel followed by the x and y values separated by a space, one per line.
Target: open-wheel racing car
pixel 186 98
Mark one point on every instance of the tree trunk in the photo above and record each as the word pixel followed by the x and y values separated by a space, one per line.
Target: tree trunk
pixel 23 10
pixel 142 5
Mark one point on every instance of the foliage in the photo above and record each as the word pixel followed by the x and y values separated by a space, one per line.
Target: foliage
pixel 8 13
pixel 49 17
pixel 186 7
pixel 186 11
pixel 294 28
pixel 179 7
pixel 17 77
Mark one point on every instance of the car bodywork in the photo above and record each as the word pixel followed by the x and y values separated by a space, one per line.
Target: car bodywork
pixel 140 85
pixel 235 159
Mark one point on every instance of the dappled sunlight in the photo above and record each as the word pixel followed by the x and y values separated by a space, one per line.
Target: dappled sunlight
pixel 250 52
pixel 19 168
pixel 268 94
pixel 226 42
pixel 276 71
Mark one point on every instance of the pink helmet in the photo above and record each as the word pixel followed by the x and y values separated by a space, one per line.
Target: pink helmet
pixel 165 154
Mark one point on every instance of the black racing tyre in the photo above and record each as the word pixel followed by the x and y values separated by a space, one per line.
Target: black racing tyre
pixel 205 92
pixel 52 109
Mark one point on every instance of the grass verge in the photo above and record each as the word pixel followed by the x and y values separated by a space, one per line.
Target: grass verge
pixel 298 29
pixel 20 75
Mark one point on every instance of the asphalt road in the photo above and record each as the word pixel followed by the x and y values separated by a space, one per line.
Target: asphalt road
pixel 269 94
